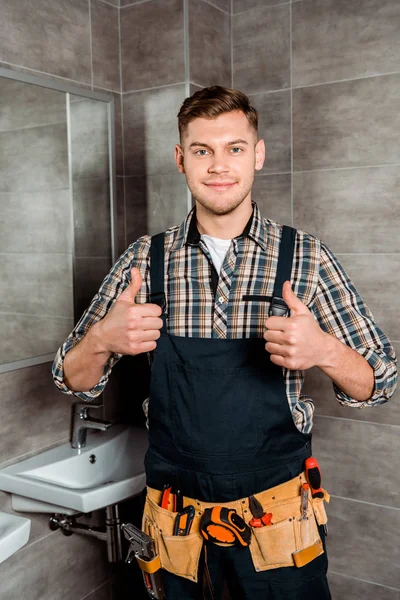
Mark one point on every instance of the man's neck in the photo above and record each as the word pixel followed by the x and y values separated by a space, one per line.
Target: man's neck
pixel 223 227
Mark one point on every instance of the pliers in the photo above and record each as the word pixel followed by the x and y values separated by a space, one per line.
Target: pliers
pixel 260 517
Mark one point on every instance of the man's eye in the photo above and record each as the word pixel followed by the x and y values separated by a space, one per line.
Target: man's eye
pixel 200 151
pixel 236 150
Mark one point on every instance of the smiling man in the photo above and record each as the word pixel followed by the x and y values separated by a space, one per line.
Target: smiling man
pixel 235 308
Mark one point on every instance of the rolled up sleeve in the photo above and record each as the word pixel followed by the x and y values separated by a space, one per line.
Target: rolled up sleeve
pixel 112 286
pixel 340 311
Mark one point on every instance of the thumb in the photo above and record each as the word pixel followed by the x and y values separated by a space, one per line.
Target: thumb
pixel 296 306
pixel 130 292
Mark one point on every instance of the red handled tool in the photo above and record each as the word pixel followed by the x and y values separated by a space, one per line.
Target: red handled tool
pixel 314 477
pixel 313 473
pixel 165 496
pixel 260 517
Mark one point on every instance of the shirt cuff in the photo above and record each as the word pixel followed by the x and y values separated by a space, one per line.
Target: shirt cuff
pixel 58 373
pixel 382 391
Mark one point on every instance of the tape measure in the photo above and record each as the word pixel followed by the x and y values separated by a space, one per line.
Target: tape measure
pixel 223 526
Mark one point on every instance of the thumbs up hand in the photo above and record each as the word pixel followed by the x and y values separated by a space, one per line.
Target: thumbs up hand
pixel 296 342
pixel 130 328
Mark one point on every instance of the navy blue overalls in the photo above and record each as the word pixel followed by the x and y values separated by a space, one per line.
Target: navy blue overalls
pixel 220 428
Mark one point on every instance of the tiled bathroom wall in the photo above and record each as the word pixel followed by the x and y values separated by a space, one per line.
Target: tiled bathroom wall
pixel 324 75
pixel 76 41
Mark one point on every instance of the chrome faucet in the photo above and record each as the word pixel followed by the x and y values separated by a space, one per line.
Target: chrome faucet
pixel 81 422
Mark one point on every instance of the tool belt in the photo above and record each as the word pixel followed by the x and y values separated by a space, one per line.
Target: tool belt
pixel 292 538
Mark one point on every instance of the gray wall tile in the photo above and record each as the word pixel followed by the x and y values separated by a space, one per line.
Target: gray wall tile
pixel 209 45
pixel 35 414
pixel 34 159
pixel 38 284
pixel 379 292
pixel 121 242
pixel 274 127
pixel 194 88
pixel 89 139
pixel 92 217
pixel 347 124
pixel 319 387
pixel 24 336
pixel 103 593
pixel 352 210
pixel 363 540
pixel 359 459
pixel 261 49
pixel 273 196
pixel 56 41
pixel 151 130
pixel 136 208
pixel 154 203
pixel 222 4
pixel 88 276
pixel 36 222
pixel 27 105
pixel 57 568
pixel 348 40
pixel 243 5
pixel 39 522
pixel 352 589
pixel 105 45
pixel 152 44
pixel 119 151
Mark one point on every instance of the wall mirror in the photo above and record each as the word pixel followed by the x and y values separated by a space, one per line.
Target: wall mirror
pixel 57 208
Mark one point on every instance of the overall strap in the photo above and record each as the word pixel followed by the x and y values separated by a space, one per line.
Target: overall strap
pixel 157 286
pixel 278 306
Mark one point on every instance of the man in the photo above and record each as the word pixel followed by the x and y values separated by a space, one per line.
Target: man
pixel 226 420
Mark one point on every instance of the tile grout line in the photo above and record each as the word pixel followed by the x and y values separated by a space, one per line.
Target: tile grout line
pixel 91 43
pixel 87 596
pixel 358 420
pixel 388 587
pixel 52 75
pixel 243 12
pixel 214 6
pixel 121 107
pixel 156 87
pixel 135 4
pixel 186 48
pixel 231 43
pixel 291 117
pixel 365 502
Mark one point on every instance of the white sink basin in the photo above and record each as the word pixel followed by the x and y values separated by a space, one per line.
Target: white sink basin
pixel 14 533
pixel 66 480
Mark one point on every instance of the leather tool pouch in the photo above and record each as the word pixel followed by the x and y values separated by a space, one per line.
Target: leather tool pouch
pixel 178 554
pixel 291 540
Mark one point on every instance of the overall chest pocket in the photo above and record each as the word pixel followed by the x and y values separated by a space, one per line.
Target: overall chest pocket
pixel 216 412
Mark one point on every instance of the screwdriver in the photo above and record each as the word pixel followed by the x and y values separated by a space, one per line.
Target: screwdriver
pixel 313 473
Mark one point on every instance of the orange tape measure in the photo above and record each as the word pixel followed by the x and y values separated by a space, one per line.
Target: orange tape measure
pixel 224 526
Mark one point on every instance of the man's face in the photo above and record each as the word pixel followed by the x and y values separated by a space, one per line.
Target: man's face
pixel 218 157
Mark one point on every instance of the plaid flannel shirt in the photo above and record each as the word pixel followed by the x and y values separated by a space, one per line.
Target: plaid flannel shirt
pixel 249 268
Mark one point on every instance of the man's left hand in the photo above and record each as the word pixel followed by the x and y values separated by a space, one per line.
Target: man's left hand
pixel 295 342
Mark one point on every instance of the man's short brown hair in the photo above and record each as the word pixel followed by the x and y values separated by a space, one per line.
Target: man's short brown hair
pixel 211 102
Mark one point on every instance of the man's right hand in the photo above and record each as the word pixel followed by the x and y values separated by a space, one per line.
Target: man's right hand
pixel 129 328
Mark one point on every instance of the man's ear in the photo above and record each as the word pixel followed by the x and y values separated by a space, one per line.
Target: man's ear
pixel 260 155
pixel 179 158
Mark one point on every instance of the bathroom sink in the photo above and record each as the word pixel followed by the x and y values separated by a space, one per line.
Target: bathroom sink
pixel 106 471
pixel 14 533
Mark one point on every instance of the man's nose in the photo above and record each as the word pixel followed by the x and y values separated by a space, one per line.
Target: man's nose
pixel 219 163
